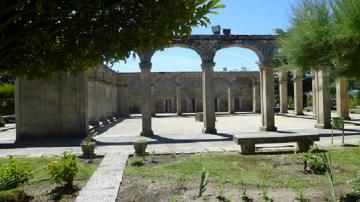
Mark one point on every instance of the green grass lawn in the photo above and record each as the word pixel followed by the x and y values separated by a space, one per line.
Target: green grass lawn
pixel 277 171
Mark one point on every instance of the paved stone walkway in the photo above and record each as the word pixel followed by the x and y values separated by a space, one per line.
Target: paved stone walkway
pixel 104 185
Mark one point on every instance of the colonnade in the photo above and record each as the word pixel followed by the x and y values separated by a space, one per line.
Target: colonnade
pixel 321 98
pixel 263 104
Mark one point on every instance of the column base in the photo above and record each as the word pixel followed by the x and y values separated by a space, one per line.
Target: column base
pixel 284 112
pixel 231 112
pixel 299 114
pixel 247 149
pixel 209 131
pixel 256 111
pixel 147 133
pixel 347 118
pixel 268 128
pixel 323 126
pixel 179 114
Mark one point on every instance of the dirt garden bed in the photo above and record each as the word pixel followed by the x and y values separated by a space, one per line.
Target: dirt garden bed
pixel 280 177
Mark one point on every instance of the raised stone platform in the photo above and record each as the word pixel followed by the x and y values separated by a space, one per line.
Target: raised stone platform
pixel 247 141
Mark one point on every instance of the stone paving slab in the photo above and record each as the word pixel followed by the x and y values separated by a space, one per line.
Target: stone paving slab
pixel 104 185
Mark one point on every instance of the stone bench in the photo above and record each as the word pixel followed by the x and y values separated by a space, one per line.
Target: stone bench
pixel 247 141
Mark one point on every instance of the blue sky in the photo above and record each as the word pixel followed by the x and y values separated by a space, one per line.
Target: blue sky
pixel 242 17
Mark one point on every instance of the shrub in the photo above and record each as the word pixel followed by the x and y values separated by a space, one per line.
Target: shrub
pixel 13 174
pixel 13 195
pixel 354 194
pixel 2 121
pixel 65 170
pixel 313 160
pixel 317 166
pixel 138 162
pixel 7 91
pixel 291 102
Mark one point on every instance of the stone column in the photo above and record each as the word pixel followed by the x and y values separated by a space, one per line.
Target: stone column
pixel 323 118
pixel 342 106
pixel 298 93
pixel 283 91
pixel 267 113
pixel 208 97
pixel 261 97
pixel 178 100
pixel 256 97
pixel 153 112
pixel 314 92
pixel 146 103
pixel 231 106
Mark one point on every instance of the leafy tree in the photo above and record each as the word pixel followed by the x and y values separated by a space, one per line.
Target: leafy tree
pixel 41 37
pixel 307 43
pixel 323 33
pixel 346 37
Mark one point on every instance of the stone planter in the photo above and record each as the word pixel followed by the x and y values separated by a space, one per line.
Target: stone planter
pixel 199 117
pixel 140 147
pixel 88 149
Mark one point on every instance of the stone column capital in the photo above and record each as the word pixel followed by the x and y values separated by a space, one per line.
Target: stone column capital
pixel 265 68
pixel 145 65
pixel 207 64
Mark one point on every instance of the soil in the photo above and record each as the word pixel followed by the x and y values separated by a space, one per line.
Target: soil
pixel 144 189
pixel 49 191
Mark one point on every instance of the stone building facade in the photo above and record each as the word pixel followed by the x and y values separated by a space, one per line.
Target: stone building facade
pixel 186 88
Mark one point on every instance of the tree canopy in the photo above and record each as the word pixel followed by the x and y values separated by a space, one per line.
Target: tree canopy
pixel 323 33
pixel 42 37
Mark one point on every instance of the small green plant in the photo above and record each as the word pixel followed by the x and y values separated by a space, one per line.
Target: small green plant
pixel 175 199
pixel 173 153
pixel 13 174
pixel 244 195
pixel 326 160
pixel 354 194
pixel 180 183
pixel 300 191
pixel 264 193
pixel 153 156
pixel 354 184
pixel 312 161
pixel 64 170
pixel 220 184
pixel 203 181
pixel 138 162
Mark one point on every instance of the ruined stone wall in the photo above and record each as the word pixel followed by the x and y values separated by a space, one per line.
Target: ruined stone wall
pixel 103 93
pixel 164 90
pixel 51 108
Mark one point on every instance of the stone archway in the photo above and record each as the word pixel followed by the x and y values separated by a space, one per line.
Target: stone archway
pixel 207 46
